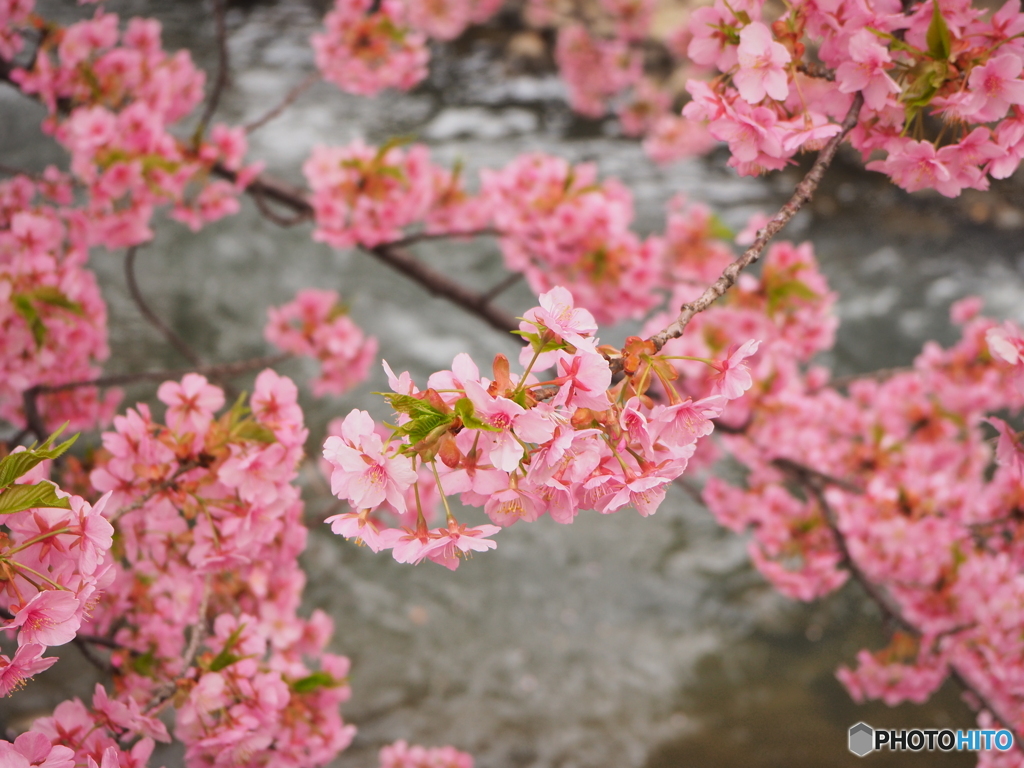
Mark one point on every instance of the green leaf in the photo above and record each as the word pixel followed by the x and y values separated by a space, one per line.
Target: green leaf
pixel 395 173
pixel 23 306
pixel 940 43
pixel 421 427
pixel 15 465
pixel 239 410
pixel 51 295
pixel 392 143
pixel 535 341
pixel 519 398
pixel 251 430
pixel 226 658
pixel 411 405
pixel 144 663
pixel 223 660
pixel 314 682
pixel 894 42
pixel 780 293
pixel 465 411
pixel 18 498
pixel 719 230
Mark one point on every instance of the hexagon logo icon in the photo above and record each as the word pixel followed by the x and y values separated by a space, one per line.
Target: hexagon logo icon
pixel 862 739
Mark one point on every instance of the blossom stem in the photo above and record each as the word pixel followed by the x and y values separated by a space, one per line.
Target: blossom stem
pixel 37 574
pixel 36 540
pixel 522 379
pixel 449 517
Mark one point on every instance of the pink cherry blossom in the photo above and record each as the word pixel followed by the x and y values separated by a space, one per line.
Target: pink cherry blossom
pixel 732 377
pixel 28 660
pixel 457 541
pixel 866 72
pixel 762 62
pixel 997 81
pixel 363 473
pixel 49 618
pixel 191 403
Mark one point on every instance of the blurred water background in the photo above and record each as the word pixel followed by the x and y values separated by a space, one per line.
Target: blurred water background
pixel 617 642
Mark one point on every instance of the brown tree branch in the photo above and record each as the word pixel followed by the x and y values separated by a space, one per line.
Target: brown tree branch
pixel 435 282
pixel 420 237
pixel 815 483
pixel 90 654
pixel 503 285
pixel 286 102
pixel 220 371
pixel 30 397
pixel 221 81
pixel 168 333
pixel 438 284
pixel 841 382
pixel 269 213
pixel 804 190
pixel 168 690
pixel 160 487
pixel 106 642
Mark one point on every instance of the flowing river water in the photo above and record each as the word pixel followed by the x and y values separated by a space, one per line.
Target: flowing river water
pixel 617 642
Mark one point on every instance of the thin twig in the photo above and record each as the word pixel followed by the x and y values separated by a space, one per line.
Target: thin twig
pixel 692 491
pixel 106 642
pixel 804 190
pixel 494 292
pixel 33 420
pixel 817 71
pixel 198 632
pixel 90 654
pixel 260 200
pixel 420 237
pixel 841 382
pixel 271 188
pixel 160 487
pixel 199 628
pixel 12 171
pixel 221 371
pixel 286 102
pixel 168 333
pixel 435 282
pixel 222 67
pixel 440 285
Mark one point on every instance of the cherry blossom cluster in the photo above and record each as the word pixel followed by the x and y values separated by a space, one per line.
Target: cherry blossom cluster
pixel 364 51
pixel 14 15
pixel 201 602
pixel 317 325
pixel 949 60
pixel 901 482
pixel 367 47
pixel 402 755
pixel 785 83
pixel 54 560
pixel 367 196
pixel 561 226
pixel 558 223
pixel 520 447
pixel 112 97
pixel 53 321
pixel 595 69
